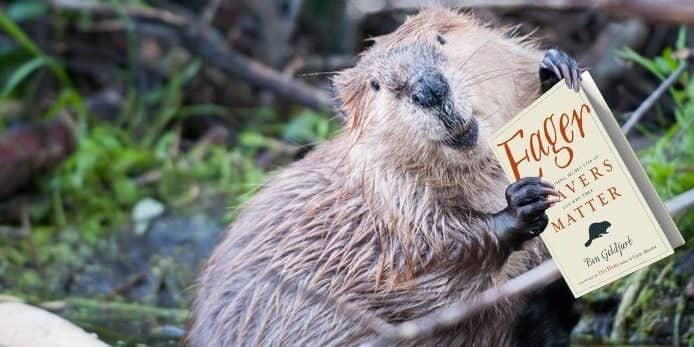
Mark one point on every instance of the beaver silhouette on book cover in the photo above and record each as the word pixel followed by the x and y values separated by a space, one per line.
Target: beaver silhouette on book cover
pixel 596 230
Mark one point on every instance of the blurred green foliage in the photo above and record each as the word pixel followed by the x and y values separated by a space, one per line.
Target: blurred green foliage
pixel 19 63
pixel 669 162
pixel 120 162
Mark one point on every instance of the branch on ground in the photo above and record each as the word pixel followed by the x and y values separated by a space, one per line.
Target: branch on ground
pixel 680 203
pixel 651 99
pixel 204 42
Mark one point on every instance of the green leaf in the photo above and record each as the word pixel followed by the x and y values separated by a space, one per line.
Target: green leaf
pixel 70 98
pixel 171 102
pixel 11 56
pixel 163 146
pixel 690 90
pixel 308 127
pixel 252 139
pixel 668 61
pixel 16 33
pixel 629 54
pixel 681 38
pixel 20 74
pixel 679 95
pixel 126 191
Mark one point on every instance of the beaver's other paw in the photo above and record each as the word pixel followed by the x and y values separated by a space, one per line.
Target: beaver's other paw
pixel 525 217
pixel 557 65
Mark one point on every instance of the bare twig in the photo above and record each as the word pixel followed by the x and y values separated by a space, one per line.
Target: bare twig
pixel 278 22
pixel 27 230
pixel 253 72
pixel 319 64
pixel 680 309
pixel 680 203
pixel 427 325
pixel 130 283
pixel 209 13
pixel 651 99
pixel 615 36
pixel 619 327
pixel 102 8
pixel 207 44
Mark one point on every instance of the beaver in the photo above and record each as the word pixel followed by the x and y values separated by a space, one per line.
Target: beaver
pixel 404 212
pixel 597 230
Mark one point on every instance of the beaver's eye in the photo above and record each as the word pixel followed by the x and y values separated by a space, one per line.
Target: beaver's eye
pixel 440 39
pixel 374 85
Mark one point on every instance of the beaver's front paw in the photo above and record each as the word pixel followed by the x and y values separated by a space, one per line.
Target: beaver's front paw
pixel 557 65
pixel 525 217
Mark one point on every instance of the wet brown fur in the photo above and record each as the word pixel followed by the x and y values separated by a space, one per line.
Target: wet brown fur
pixel 376 218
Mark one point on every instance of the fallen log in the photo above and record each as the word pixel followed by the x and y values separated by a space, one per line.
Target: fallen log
pixel 30 150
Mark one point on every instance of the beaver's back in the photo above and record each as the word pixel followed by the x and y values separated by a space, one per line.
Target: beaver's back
pixel 285 232
pixel 388 217
pixel 309 227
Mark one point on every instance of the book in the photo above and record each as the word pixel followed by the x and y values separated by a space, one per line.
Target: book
pixel 609 221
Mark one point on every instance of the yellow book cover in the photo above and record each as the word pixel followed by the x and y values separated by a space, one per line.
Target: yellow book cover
pixel 609 221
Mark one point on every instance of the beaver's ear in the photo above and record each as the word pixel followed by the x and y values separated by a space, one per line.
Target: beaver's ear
pixel 350 90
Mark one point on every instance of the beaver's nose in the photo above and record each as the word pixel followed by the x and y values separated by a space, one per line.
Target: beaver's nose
pixel 429 90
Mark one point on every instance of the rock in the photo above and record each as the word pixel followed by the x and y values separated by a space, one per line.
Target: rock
pixel 22 325
pixel 154 268
pixel 144 212
pixel 32 149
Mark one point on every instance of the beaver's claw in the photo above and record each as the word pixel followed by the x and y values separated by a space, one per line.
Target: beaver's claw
pixel 525 217
pixel 557 65
pixel 527 201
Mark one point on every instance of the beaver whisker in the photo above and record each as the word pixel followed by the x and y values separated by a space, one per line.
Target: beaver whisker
pixel 318 73
pixel 483 72
pixel 472 80
pixel 489 115
pixel 483 77
pixel 488 79
pixel 478 49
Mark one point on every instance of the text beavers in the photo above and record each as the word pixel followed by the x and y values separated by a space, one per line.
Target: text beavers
pixel 554 139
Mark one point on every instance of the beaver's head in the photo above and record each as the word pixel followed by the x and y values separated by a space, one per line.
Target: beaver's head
pixel 440 84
